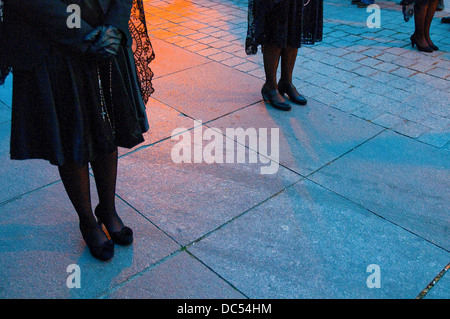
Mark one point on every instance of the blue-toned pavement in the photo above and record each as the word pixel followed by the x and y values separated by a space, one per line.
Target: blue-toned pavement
pixel 357 207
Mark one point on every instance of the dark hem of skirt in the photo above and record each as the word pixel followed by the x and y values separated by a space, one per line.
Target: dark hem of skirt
pixel 56 114
pixel 310 27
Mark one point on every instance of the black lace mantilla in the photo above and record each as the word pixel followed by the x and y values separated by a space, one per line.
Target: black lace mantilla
pixel 407 9
pixel 142 49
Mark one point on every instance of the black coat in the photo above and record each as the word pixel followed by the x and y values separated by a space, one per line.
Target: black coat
pixel 56 111
pixel 32 27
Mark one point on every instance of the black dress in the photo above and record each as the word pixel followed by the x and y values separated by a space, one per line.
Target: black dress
pixel 70 108
pixel 283 23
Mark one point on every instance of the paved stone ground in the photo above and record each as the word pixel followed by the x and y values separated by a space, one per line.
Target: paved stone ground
pixel 363 176
pixel 370 73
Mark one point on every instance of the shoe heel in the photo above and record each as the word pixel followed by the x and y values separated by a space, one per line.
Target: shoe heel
pixel 103 251
pixel 265 96
pixel 413 42
pixel 123 237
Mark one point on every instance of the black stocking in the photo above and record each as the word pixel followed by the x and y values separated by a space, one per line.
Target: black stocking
pixel 420 13
pixel 271 57
pixel 76 182
pixel 105 174
pixel 288 57
pixel 428 19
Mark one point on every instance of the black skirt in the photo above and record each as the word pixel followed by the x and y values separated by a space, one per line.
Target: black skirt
pixel 284 23
pixel 57 110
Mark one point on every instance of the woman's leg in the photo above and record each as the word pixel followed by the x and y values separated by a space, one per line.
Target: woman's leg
pixel 285 86
pixel 288 57
pixel 76 182
pixel 105 174
pixel 271 57
pixel 420 13
pixel 428 19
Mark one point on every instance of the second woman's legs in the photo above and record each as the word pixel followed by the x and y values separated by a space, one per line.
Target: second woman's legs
pixel 420 13
pixel 271 57
pixel 428 19
pixel 288 58
pixel 285 86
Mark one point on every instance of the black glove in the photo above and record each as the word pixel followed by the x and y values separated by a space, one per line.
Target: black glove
pixel 104 42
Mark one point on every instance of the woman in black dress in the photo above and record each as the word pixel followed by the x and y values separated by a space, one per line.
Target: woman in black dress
pixel 423 12
pixel 78 94
pixel 281 27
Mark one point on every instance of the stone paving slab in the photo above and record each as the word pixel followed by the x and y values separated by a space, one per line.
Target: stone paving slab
pixel 37 247
pixel 20 177
pixel 6 92
pixel 310 136
pixel 441 290
pixel 5 113
pixel 189 200
pixel 179 277
pixel 162 120
pixel 208 91
pixel 308 242
pixel 171 59
pixel 396 178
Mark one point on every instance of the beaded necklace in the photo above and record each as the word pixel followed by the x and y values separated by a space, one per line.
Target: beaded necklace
pixel 106 116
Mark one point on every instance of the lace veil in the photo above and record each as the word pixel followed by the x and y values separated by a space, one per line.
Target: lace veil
pixel 142 49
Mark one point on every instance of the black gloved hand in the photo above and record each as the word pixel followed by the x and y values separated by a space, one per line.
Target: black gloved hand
pixel 104 42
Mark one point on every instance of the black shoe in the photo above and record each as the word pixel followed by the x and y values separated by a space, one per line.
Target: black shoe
pixel 424 49
pixel 356 1
pixel 122 237
pixel 103 251
pixel 445 20
pixel 275 99
pixel 292 93
pixel 362 5
pixel 435 48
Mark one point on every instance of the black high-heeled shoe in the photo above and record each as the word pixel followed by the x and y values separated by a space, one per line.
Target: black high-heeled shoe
pixel 122 237
pixel 292 93
pixel 435 48
pixel 420 48
pixel 275 99
pixel 103 251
